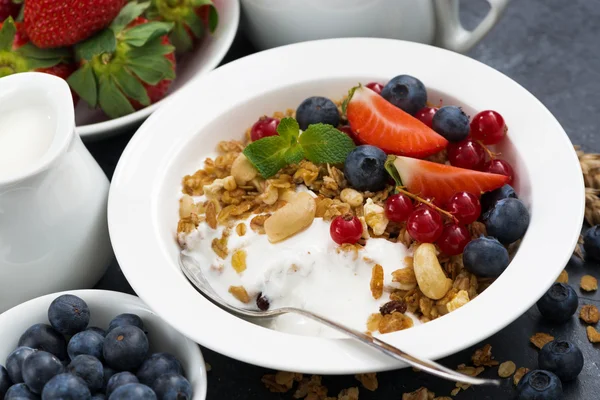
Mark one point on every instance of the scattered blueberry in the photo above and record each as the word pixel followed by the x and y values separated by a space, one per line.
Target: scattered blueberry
pixel 100 331
pixel 156 365
pixel 365 168
pixel 124 320
pixel 563 358
pixel 133 391
pixel 5 381
pixel 44 337
pixel 452 123
pixel 125 347
pixel 559 303
pixel 507 221
pixel 120 379
pixel 14 363
pixel 89 369
pixel 405 92
pixel 86 342
pixel 485 257
pixel 108 373
pixel 591 243
pixel 315 110
pixel 172 387
pixel 69 314
pixel 39 368
pixel 66 387
pixel 20 391
pixel 539 385
pixel 489 199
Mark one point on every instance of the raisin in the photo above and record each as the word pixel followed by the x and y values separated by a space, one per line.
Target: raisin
pixel 262 302
pixel 392 306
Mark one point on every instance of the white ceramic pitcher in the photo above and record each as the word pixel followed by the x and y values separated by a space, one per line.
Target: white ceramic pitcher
pixel 272 23
pixel 53 226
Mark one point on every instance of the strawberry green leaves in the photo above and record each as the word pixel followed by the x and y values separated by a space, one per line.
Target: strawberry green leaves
pixel 7 34
pixel 104 42
pixel 131 11
pixel 139 35
pixel 83 81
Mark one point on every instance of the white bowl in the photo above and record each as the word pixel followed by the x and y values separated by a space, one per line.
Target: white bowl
pixel 104 306
pixel 93 124
pixel 143 201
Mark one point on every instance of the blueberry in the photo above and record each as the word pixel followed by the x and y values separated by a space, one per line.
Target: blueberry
pixel 44 337
pixel 66 387
pixel 108 373
pixel 315 110
pixel 405 92
pixel 539 385
pixel 100 331
pixel 452 123
pixel 39 368
pixel 172 387
pixel 507 221
pixel 485 257
pixel 133 391
pixel 14 363
pixel 489 199
pixel 86 342
pixel 561 357
pixel 156 365
pixel 5 381
pixel 20 391
pixel 120 379
pixel 365 168
pixel 98 396
pixel 591 243
pixel 559 303
pixel 124 320
pixel 69 314
pixel 89 369
pixel 125 347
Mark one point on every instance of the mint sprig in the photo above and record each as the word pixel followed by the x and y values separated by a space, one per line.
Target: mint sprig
pixel 319 143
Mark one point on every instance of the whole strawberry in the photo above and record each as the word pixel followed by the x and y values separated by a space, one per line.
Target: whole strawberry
pixel 62 23
pixel 128 66
pixel 9 8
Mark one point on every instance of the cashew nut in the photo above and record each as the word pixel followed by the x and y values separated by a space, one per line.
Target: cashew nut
pixel 297 215
pixel 430 277
pixel 242 170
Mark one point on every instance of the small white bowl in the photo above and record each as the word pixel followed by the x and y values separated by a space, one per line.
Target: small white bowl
pixel 93 124
pixel 104 306
pixel 146 186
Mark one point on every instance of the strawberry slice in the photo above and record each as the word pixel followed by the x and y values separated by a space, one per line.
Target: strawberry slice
pixel 379 123
pixel 440 181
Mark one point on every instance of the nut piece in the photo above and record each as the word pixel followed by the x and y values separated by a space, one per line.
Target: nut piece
pixel 375 217
pixel 461 298
pixel 292 218
pixel 506 369
pixel 239 292
pixel 352 197
pixel 405 277
pixel 540 339
pixel 519 374
pixel 429 273
pixel 238 261
pixel 589 283
pixel 593 335
pixel 377 281
pixel 242 170
pixel 589 313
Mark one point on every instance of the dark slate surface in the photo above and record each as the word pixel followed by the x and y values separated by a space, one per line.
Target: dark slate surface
pixel 551 48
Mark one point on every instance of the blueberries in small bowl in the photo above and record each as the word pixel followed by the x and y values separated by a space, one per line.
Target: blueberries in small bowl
pixel 563 358
pixel 118 380
pixel 69 314
pixel 507 221
pixel 125 347
pixel 133 391
pixel 365 168
pixel 89 369
pixel 315 110
pixel 124 320
pixel 559 303
pixel 99 331
pixel 539 385
pixel 66 387
pixel 489 199
pixel 20 391
pixel 172 387
pixel 591 243
pixel 44 337
pixel 86 342
pixel 156 365
pixel 405 92
pixel 485 257
pixel 39 368
pixel 5 381
pixel 14 363
pixel 452 123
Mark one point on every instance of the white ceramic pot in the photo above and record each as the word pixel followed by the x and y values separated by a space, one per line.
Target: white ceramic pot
pixel 53 228
pixel 273 23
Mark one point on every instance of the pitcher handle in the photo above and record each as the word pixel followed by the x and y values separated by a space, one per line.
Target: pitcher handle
pixel 452 35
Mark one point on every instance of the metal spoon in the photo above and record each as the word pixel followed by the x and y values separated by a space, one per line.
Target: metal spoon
pixel 194 273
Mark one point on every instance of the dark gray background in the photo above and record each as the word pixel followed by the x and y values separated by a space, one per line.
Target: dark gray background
pixel 551 48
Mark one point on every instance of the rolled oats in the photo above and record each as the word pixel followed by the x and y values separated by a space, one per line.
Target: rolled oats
pixel 394 322
pixel 373 322
pixel 376 281
pixel 240 229
pixel 589 314
pixel 405 277
pixel 588 283
pixel 483 357
pixel 240 293
pixel 593 335
pixel 238 260
pixel 461 298
pixel 520 373
pixel 540 339
pixel 257 224
pixel 353 197
pixel 211 214
pixel 506 369
pixel 368 380
pixel 563 277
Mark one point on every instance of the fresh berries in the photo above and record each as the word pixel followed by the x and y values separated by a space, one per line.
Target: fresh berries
pixel 14 363
pixel 502 167
pixel 485 257
pixel 365 168
pixel 398 207
pixel 405 92
pixel 89 369
pixel 452 123
pixel 379 123
pixel 489 199
pixel 172 387
pixel 133 391
pixel 44 337
pixel 465 207
pixel 66 386
pixel 539 385
pixel 156 365
pixel 87 342
pixel 125 320
pixel 264 127
pixel 20 391
pixel 489 127
pixel 425 115
pixel 317 110
pixel 466 154
pixel 39 368
pixel 453 239
pixel 374 86
pixel 563 358
pixel 118 380
pixel 507 221
pixel 425 225
pixel 5 382
pixel 345 229
pixel 559 303
pixel 125 347
pixel 591 243
pixel 68 314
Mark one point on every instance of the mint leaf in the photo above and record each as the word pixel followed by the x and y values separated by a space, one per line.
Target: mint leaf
pixel 83 82
pixel 347 99
pixel 324 144
pixel 7 34
pixel 391 169
pixel 142 34
pixel 268 155
pixel 289 129
pixel 131 87
pixel 131 11
pixel 294 154
pixel 103 42
pixel 112 101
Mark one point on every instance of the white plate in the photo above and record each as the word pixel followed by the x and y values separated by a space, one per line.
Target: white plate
pixel 93 124
pixel 143 201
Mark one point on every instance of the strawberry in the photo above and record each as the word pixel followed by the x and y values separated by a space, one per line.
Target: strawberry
pixel 62 23
pixel 191 19
pixel 8 8
pixel 127 66
pixel 377 122
pixel 440 181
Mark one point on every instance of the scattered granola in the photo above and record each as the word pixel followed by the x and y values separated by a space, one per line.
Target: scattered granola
pixel 519 374
pixel 563 277
pixel 589 314
pixel 281 382
pixel 593 335
pixel 347 394
pixel 506 369
pixel 483 357
pixel 394 322
pixel 377 281
pixel 420 394
pixel 368 381
pixel 540 339
pixel 588 283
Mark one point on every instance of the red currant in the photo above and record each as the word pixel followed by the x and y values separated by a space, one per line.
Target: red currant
pixel 465 207
pixel 466 154
pixel 376 87
pixel 398 207
pixel 348 131
pixel 345 229
pixel 425 225
pixel 489 127
pixel 425 115
pixel 501 167
pixel 453 239
pixel 265 126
